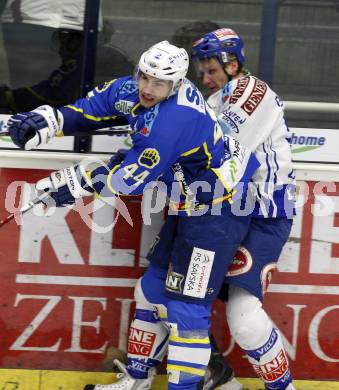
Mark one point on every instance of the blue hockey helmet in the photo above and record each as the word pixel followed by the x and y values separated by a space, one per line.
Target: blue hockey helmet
pixel 219 43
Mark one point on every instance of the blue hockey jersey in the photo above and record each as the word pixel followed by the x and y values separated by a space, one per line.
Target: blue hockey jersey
pixel 177 141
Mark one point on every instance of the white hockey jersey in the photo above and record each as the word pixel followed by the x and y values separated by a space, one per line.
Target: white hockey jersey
pixel 56 14
pixel 252 113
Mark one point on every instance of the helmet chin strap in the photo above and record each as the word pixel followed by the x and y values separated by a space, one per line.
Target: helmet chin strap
pixel 230 77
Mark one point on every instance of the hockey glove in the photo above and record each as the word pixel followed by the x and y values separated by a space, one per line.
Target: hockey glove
pixel 99 175
pixel 33 128
pixel 65 186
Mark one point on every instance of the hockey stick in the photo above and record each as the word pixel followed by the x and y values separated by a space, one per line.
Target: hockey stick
pixel 118 130
pixel 24 209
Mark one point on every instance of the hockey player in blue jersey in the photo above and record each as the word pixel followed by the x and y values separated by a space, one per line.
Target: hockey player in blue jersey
pixel 178 142
pixel 248 110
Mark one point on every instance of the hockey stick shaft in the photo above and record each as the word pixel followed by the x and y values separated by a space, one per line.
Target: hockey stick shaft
pixel 124 130
pixel 23 209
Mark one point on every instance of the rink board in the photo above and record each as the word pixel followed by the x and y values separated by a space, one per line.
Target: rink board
pixel 67 290
pixel 70 380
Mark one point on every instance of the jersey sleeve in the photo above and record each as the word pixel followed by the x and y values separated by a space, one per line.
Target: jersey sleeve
pixel 146 161
pixel 95 111
pixel 250 112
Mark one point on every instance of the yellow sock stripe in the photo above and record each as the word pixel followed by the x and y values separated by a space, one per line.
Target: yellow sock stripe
pixel 190 370
pixel 178 339
pixel 163 316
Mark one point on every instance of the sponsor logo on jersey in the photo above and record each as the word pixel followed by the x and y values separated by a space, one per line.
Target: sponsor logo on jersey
pixel 149 158
pixel 124 106
pixel 232 120
pixel 149 119
pixel 191 203
pixel 242 262
pixel 189 96
pixel 154 244
pixel 238 151
pixel 140 342
pixel 256 96
pixel 198 273
pixel 239 89
pixel 145 131
pixel 174 281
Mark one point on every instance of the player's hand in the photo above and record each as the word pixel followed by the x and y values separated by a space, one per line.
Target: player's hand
pixel 99 175
pixel 65 186
pixel 31 129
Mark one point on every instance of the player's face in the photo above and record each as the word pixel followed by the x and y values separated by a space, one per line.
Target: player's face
pixel 152 90
pixel 212 74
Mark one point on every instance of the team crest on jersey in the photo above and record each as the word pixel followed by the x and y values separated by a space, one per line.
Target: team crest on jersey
pixel 242 262
pixel 124 106
pixel 149 158
pixel 129 86
pixel 266 276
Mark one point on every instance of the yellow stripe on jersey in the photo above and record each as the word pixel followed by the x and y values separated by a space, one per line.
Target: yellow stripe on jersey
pixel 178 339
pixel 189 152
pixel 102 88
pixel 133 110
pixel 109 180
pixel 190 370
pixel 91 117
pixel 224 183
pixel 208 154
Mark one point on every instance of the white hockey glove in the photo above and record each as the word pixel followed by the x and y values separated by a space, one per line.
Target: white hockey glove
pixel 65 186
pixel 31 129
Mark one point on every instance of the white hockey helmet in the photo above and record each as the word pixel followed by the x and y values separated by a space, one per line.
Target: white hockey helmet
pixel 165 62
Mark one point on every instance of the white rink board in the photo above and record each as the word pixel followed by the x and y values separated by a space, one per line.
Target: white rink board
pixel 308 144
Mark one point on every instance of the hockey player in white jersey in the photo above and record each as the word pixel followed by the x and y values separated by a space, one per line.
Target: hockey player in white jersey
pixel 252 113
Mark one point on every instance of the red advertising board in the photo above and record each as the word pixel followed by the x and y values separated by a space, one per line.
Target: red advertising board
pixel 67 289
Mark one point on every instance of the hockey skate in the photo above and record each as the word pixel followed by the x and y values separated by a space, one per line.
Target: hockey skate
pixel 125 381
pixel 219 375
